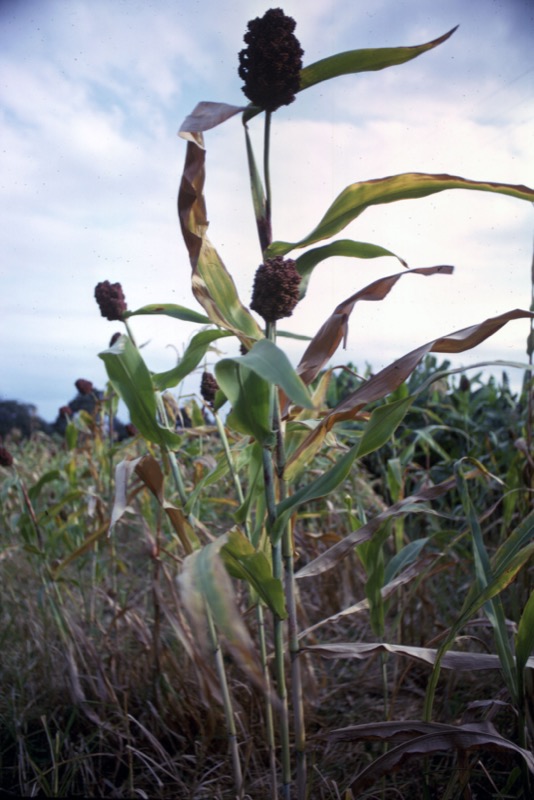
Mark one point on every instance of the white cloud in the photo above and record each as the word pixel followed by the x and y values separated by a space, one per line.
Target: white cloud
pixel 93 94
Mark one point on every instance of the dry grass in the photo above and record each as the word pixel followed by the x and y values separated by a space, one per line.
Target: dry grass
pixel 105 694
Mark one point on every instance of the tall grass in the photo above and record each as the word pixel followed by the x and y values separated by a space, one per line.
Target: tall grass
pixel 105 691
pixel 172 606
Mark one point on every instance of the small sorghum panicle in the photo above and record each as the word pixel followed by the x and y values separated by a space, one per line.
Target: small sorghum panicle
pixel 276 289
pixel 464 384
pixel 271 63
pixel 6 459
pixel 83 386
pixel 111 300
pixel 208 387
pixel 114 338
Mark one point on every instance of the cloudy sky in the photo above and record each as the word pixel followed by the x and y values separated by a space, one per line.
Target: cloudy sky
pixel 93 93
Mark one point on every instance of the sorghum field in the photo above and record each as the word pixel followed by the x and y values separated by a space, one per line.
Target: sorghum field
pixel 109 692
pixel 307 582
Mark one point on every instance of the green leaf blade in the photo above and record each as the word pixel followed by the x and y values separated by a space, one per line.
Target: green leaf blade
pixel 367 60
pixel 131 379
pixel 271 363
pixel 243 561
pixel 192 357
pixel 307 262
pixel 383 423
pixel 357 197
pixel 170 310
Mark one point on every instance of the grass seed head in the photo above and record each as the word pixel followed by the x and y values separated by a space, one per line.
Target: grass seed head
pixel 276 289
pixel 208 387
pixel 6 459
pixel 111 300
pixel 271 63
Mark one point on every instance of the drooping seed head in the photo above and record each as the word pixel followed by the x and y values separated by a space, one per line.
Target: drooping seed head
pixel 271 63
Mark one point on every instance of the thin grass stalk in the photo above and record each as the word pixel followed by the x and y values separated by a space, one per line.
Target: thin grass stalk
pixel 219 662
pixel 175 469
pixel 266 168
pixel 110 446
pixel 129 747
pixel 31 510
pixel 260 617
pixel 130 332
pixel 227 704
pixel 528 376
pixel 53 747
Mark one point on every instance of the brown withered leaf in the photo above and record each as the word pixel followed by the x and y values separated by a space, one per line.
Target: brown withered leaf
pixel 453 659
pixel 149 470
pixel 412 738
pixel 392 376
pixel 207 115
pixel 414 503
pixel 413 571
pixel 335 330
pixel 212 284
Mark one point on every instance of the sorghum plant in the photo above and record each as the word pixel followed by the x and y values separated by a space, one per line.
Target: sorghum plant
pixel 276 425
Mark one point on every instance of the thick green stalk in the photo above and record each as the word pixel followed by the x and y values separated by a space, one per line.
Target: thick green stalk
pixel 276 549
pixel 290 589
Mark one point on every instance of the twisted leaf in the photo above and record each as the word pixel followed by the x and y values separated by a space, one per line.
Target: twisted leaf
pixel 336 329
pixel 212 284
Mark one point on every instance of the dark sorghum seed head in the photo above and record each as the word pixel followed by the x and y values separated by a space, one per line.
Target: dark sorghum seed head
pixel 208 387
pixel 276 289
pixel 6 459
pixel 83 386
pixel 271 63
pixel 111 300
pixel 464 384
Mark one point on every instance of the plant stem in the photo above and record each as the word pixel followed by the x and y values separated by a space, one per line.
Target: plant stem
pixel 266 168
pixel 227 703
pixel 290 589
pixel 260 618
pixel 276 549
